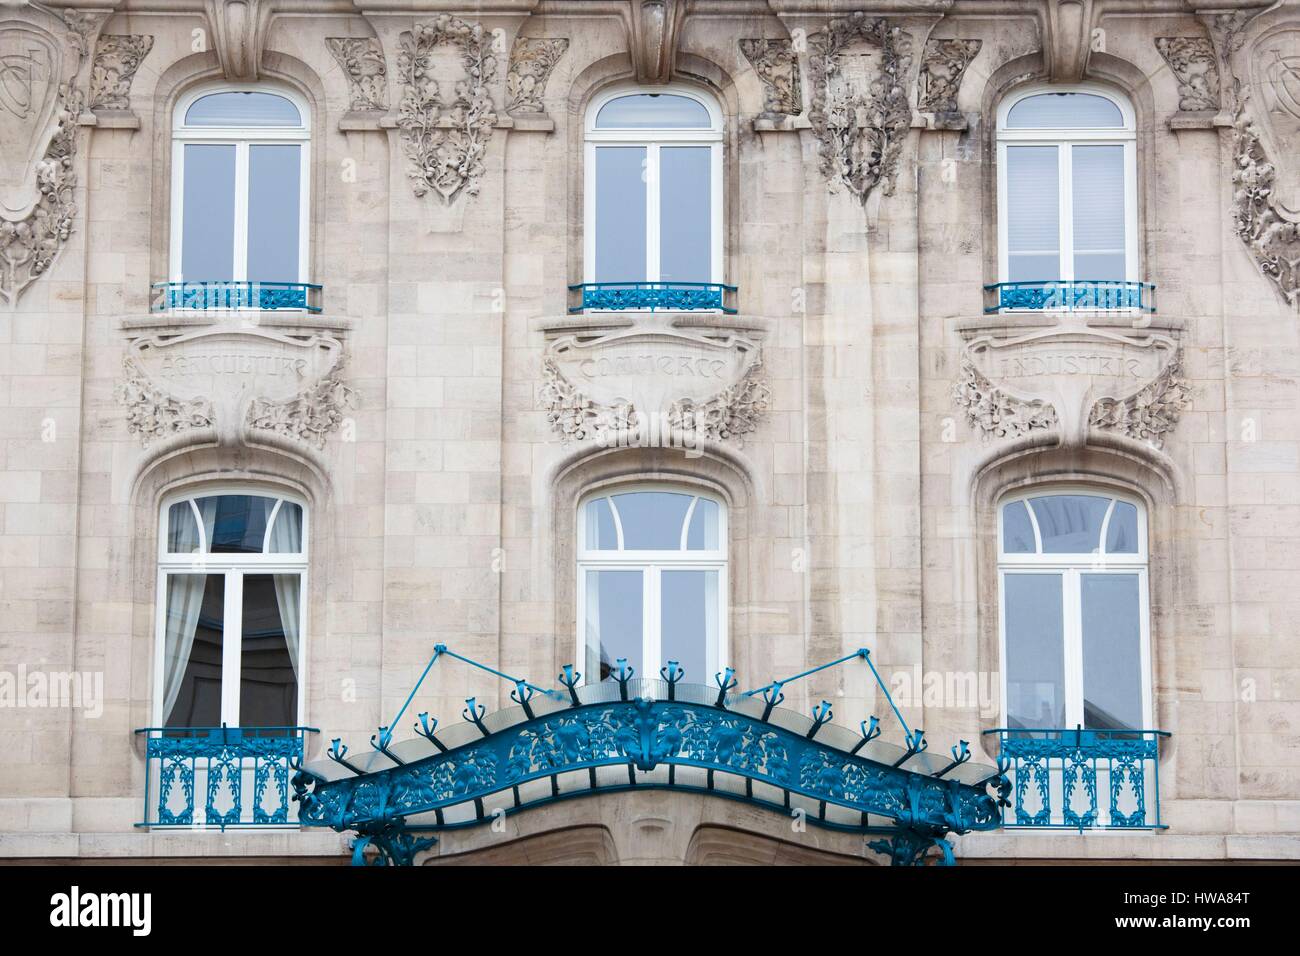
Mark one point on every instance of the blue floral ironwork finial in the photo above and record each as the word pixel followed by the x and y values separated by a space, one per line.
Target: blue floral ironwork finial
pixel 338 751
pixel 870 731
pixel 474 712
pixel 622 675
pixel 426 728
pixel 521 695
pixel 821 713
pixel 772 696
pixel 672 673
pixel 725 684
pixel 569 678
pixel 960 754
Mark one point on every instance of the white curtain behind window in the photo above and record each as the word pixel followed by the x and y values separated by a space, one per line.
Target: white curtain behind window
pixel 286 538
pixel 184 602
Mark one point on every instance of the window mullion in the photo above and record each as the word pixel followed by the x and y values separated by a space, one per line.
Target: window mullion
pixel 1065 168
pixel 1073 629
pixel 652 212
pixel 652 644
pixel 241 213
pixel 232 627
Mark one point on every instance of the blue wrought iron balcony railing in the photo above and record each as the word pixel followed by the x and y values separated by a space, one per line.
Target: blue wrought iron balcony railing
pixel 1082 779
pixel 654 296
pixel 199 777
pixel 1086 296
pixel 264 296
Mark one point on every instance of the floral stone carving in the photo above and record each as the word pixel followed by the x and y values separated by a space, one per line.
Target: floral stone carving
pixel 1152 413
pixel 362 59
pixel 774 62
pixel 653 385
pixel 994 412
pixel 117 57
pixel 1196 68
pixel 1271 237
pixel 531 61
pixel 1071 378
pixel 445 132
pixel 40 102
pixel 238 381
pixel 151 413
pixel 859 110
pixel 942 69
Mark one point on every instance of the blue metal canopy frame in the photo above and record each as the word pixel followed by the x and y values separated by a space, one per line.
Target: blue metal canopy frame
pixel 630 733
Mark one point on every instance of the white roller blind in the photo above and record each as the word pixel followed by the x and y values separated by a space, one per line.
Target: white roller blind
pixel 1098 187
pixel 1033 214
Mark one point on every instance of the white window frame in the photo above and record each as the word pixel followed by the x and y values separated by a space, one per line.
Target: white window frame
pixel 233 567
pixel 241 137
pixel 653 139
pixel 652 564
pixel 1072 567
pixel 1063 140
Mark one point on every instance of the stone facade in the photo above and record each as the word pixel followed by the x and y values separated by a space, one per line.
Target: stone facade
pixel 861 439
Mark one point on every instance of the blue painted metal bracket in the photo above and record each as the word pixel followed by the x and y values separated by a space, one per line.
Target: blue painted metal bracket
pixel 653 296
pixel 632 733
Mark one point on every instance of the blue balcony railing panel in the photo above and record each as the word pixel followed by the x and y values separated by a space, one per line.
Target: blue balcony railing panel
pixel 1082 779
pixel 220 776
pixel 654 296
pixel 1084 296
pixel 264 296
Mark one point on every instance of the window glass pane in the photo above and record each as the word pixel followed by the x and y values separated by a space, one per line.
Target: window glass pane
pixel 182 529
pixel 1098 182
pixel 242 109
pixel 1112 651
pixel 685 214
pixel 688 621
pixel 208 213
pixel 1017 532
pixel 1033 214
pixel 601 533
pixel 192 647
pixel 652 520
pixel 653 111
pixel 1122 532
pixel 268 661
pixel 1065 111
pixel 1070 524
pixel 703 532
pixel 286 535
pixel 273 210
pixel 613 622
pixel 238 522
pixel 620 214
pixel 1035 661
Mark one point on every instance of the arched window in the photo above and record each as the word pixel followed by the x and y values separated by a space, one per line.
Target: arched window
pixel 654 187
pixel 652 582
pixel 231 575
pixel 240 186
pixel 1067 196
pixel 1074 610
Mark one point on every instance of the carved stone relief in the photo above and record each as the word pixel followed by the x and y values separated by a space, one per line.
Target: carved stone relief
pixel 41 101
pixel 942 68
pixel 1069 379
pixel 1272 238
pixel 653 385
pixel 117 57
pixel 238 381
pixel 362 59
pixel 654 29
pixel 858 71
pixel 1196 68
pixel 531 61
pixel 238 29
pixel 778 69
pixel 446 114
